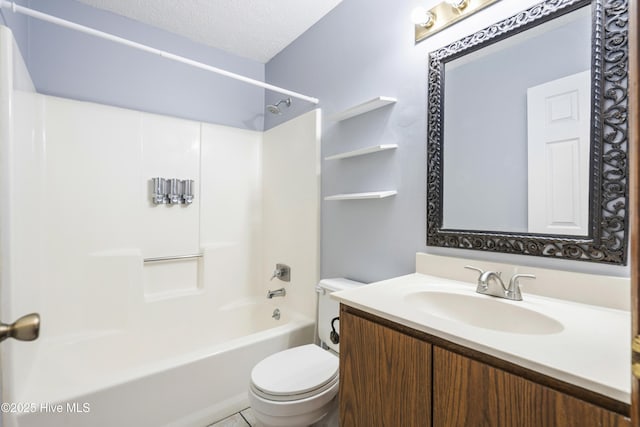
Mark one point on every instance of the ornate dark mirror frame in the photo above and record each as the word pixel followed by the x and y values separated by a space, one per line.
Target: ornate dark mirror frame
pixel 608 202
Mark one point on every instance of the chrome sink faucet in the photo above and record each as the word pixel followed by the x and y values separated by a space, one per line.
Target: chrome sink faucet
pixel 490 283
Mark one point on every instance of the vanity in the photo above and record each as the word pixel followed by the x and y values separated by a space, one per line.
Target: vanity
pixel 426 350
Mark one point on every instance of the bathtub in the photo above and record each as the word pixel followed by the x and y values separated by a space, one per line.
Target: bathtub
pixel 200 378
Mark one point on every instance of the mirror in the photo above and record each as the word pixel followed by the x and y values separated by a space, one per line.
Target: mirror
pixel 527 135
pixel 509 86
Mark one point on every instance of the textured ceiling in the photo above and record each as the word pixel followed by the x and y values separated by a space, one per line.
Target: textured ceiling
pixel 255 29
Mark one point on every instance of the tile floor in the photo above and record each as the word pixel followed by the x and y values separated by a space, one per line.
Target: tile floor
pixel 243 418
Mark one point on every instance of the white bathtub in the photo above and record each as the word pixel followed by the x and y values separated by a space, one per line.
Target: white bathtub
pixel 155 378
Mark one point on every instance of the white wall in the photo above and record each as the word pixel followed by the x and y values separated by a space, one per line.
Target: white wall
pixel 231 224
pixel 291 208
pixel 92 214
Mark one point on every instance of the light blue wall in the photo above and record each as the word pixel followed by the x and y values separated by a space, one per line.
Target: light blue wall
pixel 66 63
pixel 18 24
pixel 363 49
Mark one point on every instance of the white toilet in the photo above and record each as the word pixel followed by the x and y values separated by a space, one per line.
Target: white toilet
pixel 299 386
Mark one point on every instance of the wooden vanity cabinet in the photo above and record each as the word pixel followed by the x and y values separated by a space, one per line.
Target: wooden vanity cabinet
pixel 391 375
pixel 385 376
pixel 471 393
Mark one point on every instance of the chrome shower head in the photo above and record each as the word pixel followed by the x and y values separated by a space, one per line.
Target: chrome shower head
pixel 275 108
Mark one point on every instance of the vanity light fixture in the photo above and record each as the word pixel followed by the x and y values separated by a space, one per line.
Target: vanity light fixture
pixel 439 17
pixel 458 4
pixel 422 17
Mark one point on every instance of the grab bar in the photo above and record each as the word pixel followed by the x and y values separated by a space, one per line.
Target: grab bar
pixel 172 258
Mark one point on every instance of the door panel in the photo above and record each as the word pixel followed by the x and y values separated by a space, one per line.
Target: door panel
pixel 558 116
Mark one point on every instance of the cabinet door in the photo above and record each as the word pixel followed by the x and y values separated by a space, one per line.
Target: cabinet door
pixel 471 394
pixel 385 376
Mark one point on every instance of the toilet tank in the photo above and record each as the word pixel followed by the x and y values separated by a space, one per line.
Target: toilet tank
pixel 328 308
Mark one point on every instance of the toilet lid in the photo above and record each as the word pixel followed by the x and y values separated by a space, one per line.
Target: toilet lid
pixel 295 371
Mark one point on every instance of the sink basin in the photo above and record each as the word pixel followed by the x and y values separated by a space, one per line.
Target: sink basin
pixel 484 312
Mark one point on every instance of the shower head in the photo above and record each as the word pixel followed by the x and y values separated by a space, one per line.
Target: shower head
pixel 275 108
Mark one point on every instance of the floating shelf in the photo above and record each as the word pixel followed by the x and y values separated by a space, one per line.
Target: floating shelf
pixel 361 196
pixel 365 107
pixel 362 151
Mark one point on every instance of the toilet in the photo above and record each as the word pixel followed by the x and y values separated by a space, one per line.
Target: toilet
pixel 299 386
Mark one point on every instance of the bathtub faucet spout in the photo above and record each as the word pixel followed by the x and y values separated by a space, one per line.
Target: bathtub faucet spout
pixel 277 293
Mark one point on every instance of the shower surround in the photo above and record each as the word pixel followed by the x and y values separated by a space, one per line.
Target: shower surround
pixel 123 341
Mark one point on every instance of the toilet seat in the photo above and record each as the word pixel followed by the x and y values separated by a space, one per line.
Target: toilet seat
pixel 294 374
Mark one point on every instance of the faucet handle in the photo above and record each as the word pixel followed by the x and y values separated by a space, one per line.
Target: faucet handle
pixel 471 267
pixel 515 277
pixel 282 272
pixel 513 291
pixel 481 286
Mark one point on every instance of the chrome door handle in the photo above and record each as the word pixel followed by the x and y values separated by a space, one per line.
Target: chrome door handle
pixel 26 328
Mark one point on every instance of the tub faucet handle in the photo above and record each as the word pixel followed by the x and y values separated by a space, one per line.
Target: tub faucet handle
pixel 282 272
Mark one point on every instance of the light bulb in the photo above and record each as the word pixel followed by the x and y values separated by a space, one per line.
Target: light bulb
pixel 421 16
pixel 458 4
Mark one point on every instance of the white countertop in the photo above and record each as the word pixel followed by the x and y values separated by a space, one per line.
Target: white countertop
pixel 591 351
